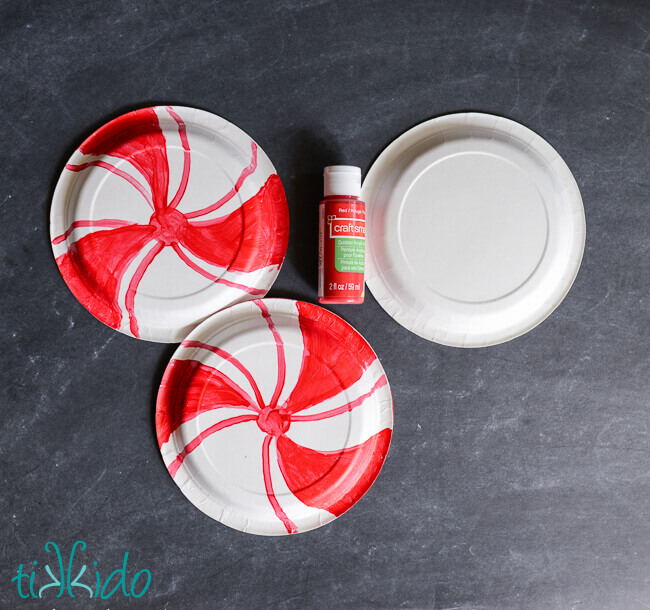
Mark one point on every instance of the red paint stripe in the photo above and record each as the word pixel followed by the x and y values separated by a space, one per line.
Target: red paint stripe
pixel 279 345
pixel 268 484
pixel 130 161
pixel 106 222
pixel 256 292
pixel 118 172
pixel 234 361
pixel 232 192
pixel 348 407
pixel 95 264
pixel 335 357
pixel 194 443
pixel 217 280
pixel 133 286
pixel 187 158
pixel 332 480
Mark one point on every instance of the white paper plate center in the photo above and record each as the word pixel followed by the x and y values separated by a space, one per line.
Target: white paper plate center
pixel 472 227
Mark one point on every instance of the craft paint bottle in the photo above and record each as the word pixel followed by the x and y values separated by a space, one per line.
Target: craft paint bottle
pixel 342 237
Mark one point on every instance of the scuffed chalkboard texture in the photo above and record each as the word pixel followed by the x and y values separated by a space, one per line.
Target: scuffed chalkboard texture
pixel 519 475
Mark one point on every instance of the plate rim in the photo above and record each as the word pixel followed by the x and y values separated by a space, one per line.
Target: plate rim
pixel 394 153
pixel 191 487
pixel 60 200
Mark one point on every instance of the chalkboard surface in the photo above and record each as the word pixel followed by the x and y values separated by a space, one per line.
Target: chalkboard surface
pixel 518 476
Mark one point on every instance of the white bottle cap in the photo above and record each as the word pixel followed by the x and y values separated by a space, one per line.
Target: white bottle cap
pixel 342 180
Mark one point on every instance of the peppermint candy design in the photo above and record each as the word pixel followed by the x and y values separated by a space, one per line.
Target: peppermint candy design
pixel 165 215
pixel 274 416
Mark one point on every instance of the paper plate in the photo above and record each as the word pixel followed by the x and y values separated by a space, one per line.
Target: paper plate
pixel 274 416
pixel 475 229
pixel 164 216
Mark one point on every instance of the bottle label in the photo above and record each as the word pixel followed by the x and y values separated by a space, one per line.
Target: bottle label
pixel 342 249
pixel 350 255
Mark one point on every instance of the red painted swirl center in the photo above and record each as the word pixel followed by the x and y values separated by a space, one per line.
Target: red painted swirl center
pixel 170 225
pixel 273 422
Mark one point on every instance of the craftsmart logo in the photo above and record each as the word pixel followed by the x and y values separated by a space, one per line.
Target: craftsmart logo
pixel 346 227
pixel 58 578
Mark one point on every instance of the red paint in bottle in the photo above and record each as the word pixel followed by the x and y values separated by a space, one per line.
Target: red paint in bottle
pixel 342 237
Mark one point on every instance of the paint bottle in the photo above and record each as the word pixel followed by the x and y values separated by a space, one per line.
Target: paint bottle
pixel 342 237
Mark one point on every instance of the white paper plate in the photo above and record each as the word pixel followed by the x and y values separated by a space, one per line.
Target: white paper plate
pixel 164 216
pixel 274 416
pixel 475 229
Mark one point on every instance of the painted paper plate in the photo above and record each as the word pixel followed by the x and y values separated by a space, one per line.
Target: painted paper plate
pixel 274 417
pixel 164 216
pixel 475 229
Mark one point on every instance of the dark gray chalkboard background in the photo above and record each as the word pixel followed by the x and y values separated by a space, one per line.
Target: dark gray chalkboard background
pixel 518 476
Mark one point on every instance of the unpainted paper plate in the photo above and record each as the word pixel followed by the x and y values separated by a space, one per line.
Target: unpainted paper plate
pixel 274 416
pixel 165 215
pixel 476 229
